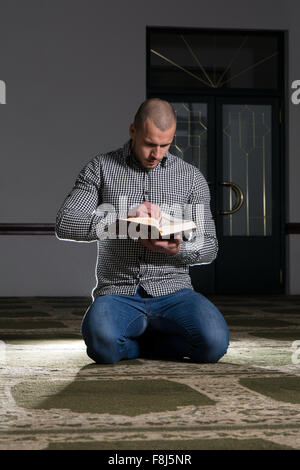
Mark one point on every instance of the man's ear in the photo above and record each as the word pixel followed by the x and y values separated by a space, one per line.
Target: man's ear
pixel 132 131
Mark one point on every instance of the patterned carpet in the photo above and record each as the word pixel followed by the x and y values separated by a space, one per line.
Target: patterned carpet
pixel 54 397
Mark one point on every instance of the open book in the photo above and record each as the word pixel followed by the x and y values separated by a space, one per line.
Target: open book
pixel 166 225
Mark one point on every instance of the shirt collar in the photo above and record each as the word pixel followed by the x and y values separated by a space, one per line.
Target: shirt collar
pixel 130 158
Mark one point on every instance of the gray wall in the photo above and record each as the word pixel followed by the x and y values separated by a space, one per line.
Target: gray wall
pixel 75 74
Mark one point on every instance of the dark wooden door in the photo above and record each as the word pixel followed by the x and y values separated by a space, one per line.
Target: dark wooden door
pixel 235 142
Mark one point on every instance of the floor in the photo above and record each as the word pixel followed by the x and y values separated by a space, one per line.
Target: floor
pixel 52 396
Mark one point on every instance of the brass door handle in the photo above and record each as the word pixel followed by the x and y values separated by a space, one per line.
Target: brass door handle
pixel 239 197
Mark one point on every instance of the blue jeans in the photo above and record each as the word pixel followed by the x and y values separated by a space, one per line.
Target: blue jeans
pixel 175 326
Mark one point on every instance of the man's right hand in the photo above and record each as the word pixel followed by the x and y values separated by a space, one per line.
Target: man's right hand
pixel 146 209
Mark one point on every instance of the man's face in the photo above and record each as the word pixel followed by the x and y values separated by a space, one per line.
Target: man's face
pixel 149 144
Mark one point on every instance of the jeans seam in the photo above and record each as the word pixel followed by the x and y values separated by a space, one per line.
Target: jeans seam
pixel 127 326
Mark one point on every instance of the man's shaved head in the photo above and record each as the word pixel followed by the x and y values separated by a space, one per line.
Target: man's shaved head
pixel 160 112
pixel 152 132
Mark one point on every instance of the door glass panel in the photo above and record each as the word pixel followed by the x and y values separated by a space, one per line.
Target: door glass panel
pixel 190 140
pixel 247 163
pixel 189 60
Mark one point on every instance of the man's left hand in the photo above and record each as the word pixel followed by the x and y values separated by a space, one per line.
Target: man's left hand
pixel 169 247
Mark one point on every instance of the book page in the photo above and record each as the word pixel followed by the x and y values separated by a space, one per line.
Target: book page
pixel 143 221
pixel 169 222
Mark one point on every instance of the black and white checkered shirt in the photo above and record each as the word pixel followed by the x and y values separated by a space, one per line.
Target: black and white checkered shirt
pixel 122 264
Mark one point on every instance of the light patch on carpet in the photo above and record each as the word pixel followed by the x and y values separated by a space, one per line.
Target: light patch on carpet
pixel 258 355
pixel 120 397
pixel 55 343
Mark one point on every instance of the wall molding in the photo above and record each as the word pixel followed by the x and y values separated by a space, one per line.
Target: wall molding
pixel 27 229
pixel 292 228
